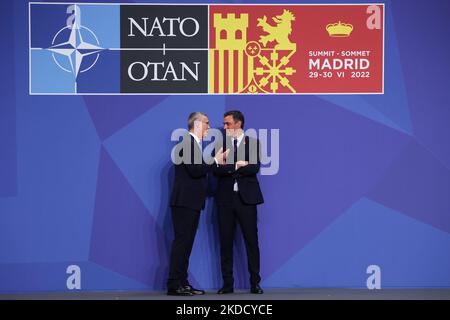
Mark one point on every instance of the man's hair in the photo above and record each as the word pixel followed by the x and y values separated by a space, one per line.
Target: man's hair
pixel 194 116
pixel 237 116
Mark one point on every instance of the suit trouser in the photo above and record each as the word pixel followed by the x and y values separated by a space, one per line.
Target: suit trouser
pixel 185 223
pixel 246 216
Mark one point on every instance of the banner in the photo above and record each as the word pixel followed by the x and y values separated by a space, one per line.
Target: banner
pixel 206 49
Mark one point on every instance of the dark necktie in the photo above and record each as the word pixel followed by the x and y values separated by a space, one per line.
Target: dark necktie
pixel 235 147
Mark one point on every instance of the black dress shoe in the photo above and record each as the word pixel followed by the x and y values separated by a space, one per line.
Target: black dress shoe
pixel 256 289
pixel 225 290
pixel 180 291
pixel 193 290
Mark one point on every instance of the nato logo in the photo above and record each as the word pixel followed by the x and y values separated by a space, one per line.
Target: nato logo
pixel 115 49
pixel 72 49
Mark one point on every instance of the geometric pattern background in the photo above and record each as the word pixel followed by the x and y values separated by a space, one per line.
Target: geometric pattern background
pixel 363 180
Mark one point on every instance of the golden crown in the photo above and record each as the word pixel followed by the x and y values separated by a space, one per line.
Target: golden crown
pixel 339 29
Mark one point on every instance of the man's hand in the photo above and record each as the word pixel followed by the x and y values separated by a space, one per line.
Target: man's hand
pixel 241 164
pixel 221 157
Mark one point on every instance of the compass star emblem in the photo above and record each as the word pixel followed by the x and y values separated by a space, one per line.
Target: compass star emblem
pixel 75 49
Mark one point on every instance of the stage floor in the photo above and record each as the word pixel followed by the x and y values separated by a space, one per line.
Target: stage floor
pixel 270 294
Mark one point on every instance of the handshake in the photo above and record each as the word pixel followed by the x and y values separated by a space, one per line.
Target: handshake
pixel 221 159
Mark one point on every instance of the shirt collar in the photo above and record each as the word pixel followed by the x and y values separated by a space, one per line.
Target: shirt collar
pixel 239 138
pixel 195 137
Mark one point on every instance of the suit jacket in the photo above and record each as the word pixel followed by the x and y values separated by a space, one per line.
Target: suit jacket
pixel 190 182
pixel 247 181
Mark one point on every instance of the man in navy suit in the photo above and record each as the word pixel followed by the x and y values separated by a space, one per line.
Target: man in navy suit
pixel 187 201
pixel 238 194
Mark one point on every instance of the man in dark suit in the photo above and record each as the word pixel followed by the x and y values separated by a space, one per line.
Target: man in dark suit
pixel 187 201
pixel 238 193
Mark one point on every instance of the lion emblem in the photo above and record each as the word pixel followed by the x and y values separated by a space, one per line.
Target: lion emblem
pixel 280 32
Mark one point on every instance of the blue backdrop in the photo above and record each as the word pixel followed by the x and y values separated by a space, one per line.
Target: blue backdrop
pixel 363 180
